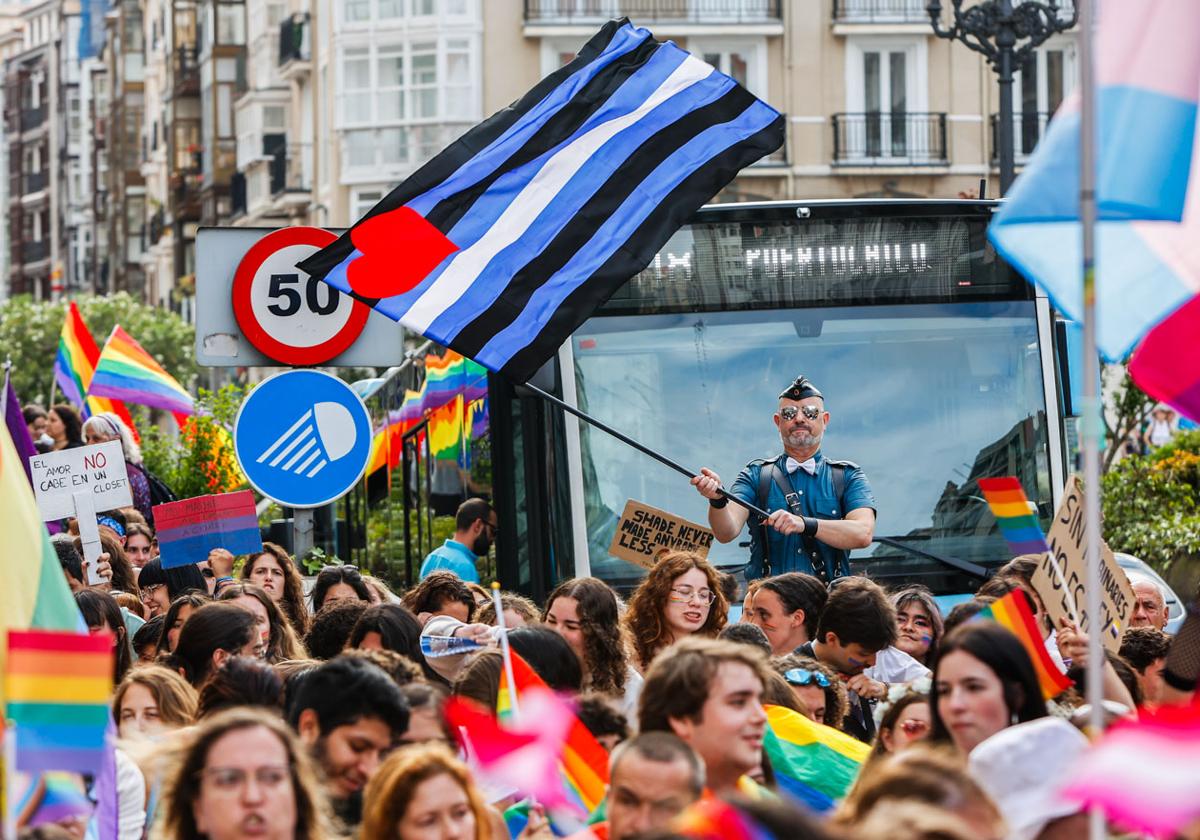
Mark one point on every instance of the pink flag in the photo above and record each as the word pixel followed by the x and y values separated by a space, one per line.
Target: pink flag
pixel 1145 774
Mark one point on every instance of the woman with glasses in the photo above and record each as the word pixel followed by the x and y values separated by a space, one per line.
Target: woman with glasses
pixel 816 687
pixel 274 630
pixel 919 623
pixel 213 634
pixel 339 583
pixel 679 597
pixel 584 611
pixel 274 571
pixel 243 773
pixel 160 587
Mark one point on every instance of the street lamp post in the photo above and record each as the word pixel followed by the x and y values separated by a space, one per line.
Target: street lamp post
pixel 994 28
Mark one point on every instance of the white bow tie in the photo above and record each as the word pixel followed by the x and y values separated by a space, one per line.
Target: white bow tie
pixel 809 466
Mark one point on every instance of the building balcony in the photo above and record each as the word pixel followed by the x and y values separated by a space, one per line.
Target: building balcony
pixel 35 182
pixel 889 139
pixel 573 12
pixel 185 73
pixel 295 49
pixel 28 253
pixel 155 228
pixel 880 11
pixel 291 173
pixel 33 118
pixel 1028 128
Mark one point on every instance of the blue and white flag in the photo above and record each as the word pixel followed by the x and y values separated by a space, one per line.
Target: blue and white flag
pixel 509 239
pixel 435 647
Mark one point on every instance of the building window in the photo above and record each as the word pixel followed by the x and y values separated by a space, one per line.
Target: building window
pixel 1040 84
pixel 362 202
pixel 364 11
pixel 424 81
pixel 886 103
pixel 231 23
pixel 743 59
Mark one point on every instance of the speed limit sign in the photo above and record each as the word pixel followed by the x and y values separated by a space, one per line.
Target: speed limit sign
pixel 287 315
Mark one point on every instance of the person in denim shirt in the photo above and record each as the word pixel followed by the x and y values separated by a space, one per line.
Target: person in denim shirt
pixel 820 508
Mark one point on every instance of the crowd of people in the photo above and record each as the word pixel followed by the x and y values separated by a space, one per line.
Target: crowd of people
pixel 248 708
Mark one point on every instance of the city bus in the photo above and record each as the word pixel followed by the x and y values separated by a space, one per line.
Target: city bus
pixel 939 364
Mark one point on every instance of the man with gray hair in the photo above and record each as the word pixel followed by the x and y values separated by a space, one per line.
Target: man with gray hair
pixel 1149 605
pixel 652 778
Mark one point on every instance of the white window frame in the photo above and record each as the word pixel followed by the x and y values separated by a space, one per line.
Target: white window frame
pixel 916 80
pixel 754 49
pixel 552 48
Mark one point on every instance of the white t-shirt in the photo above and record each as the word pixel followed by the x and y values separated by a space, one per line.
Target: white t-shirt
pixel 893 665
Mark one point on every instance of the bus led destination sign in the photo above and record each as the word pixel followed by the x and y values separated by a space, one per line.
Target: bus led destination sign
pixel 797 262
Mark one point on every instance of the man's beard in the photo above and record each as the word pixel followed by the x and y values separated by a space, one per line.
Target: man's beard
pixel 348 809
pixel 481 546
pixel 801 440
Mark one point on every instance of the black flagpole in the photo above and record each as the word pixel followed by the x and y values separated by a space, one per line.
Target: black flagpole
pixel 662 459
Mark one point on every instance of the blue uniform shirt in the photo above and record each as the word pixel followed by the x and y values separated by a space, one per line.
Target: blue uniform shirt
pixel 817 499
pixel 453 557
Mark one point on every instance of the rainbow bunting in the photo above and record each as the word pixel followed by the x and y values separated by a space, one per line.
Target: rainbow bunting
pixel 1018 525
pixel 57 686
pixel 75 365
pixel 584 761
pixel 126 371
pixel 1012 612
pixel 814 763
pixel 446 430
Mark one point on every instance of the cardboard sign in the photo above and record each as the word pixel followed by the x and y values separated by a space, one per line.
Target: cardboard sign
pixel 189 529
pixel 98 471
pixel 644 532
pixel 1067 596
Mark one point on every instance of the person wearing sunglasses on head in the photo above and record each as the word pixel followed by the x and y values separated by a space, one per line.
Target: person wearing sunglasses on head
pixel 816 686
pixel 475 529
pixel 820 509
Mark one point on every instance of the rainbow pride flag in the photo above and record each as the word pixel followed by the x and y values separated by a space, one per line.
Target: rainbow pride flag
pixel 35 593
pixel 75 365
pixel 716 819
pixel 451 375
pixel 126 371
pixel 446 431
pixel 54 796
pixel 58 686
pixel 1018 525
pixel 814 763
pixel 1013 613
pixel 584 761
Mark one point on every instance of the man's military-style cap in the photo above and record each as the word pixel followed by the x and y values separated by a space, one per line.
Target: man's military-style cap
pixel 801 389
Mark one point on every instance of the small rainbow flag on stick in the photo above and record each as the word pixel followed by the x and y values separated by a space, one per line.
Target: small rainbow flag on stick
pixel 126 371
pixel 1012 612
pixel 1018 525
pixel 57 687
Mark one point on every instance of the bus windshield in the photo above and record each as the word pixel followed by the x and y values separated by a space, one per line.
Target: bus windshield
pixel 925 396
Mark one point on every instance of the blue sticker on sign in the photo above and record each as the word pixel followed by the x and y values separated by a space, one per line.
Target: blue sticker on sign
pixel 303 438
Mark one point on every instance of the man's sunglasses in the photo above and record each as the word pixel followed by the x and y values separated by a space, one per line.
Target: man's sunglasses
pixel 811 412
pixel 803 676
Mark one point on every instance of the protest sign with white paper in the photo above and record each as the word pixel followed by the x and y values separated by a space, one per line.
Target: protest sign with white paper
pixel 1067 595
pixel 79 482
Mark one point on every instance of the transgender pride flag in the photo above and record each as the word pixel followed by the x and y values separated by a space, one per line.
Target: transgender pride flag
pixel 1148 198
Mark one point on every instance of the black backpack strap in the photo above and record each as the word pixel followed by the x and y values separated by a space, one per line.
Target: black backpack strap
pixel 839 483
pixel 765 471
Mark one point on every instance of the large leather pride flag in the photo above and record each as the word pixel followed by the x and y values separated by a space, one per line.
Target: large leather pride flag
pixel 509 239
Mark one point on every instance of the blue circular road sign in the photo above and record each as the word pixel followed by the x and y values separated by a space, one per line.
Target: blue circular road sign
pixel 303 438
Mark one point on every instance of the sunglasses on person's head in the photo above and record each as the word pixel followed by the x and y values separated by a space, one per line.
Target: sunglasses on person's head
pixel 812 412
pixel 803 676
pixel 345 570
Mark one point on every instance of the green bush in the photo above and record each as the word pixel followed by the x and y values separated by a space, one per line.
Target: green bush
pixel 1152 504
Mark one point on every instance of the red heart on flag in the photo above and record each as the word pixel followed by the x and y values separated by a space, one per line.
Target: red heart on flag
pixel 399 250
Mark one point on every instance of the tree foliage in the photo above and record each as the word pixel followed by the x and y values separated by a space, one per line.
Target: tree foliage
pixel 1126 411
pixel 1152 503
pixel 199 460
pixel 29 332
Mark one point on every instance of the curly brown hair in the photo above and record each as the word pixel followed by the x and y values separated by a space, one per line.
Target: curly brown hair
pixel 435 591
pixel 644 617
pixel 292 602
pixel 605 651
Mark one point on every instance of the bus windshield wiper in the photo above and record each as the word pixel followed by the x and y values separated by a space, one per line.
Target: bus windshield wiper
pixel 973 569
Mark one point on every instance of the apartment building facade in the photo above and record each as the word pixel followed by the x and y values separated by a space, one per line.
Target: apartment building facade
pixel 278 112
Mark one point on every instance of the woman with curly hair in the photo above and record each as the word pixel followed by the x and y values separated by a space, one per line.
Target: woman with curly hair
pixel 279 637
pixel 274 571
pixel 584 612
pixel 679 597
